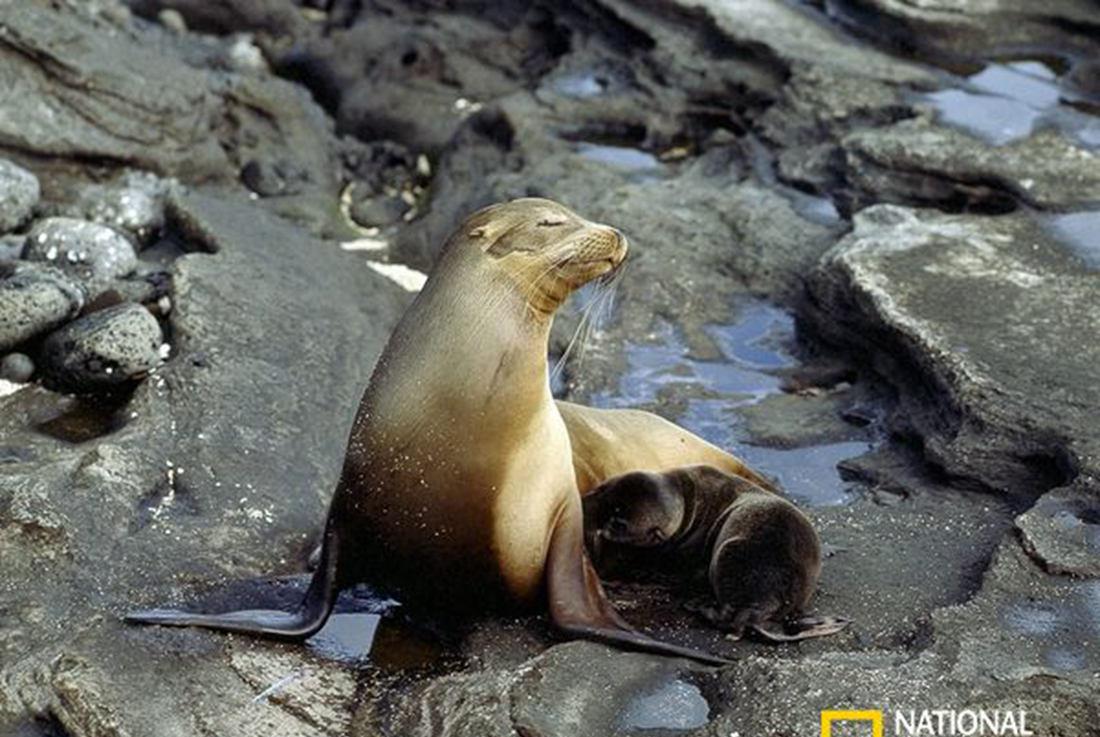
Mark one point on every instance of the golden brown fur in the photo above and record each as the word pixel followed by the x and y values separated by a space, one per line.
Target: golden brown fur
pixel 610 442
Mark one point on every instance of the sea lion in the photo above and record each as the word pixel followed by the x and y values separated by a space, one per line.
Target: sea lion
pixel 610 442
pixel 457 489
pixel 760 554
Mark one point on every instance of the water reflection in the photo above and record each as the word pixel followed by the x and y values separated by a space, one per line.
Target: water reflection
pixel 754 347
pixel 1081 232
pixel 346 638
pixel 1006 102
pixel 636 161
pixel 674 705
pixel 1065 627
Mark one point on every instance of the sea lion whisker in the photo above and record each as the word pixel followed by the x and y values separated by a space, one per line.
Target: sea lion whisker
pixel 597 311
pixel 582 328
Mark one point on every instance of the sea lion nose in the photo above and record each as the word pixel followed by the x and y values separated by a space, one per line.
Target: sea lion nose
pixel 621 243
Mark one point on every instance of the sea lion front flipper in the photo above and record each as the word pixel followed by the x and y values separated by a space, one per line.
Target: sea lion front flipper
pixel 800 629
pixel 298 625
pixel 578 604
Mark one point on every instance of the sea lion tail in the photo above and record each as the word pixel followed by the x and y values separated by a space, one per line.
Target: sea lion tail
pixel 300 624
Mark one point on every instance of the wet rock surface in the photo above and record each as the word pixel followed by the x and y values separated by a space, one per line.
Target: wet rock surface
pixel 839 269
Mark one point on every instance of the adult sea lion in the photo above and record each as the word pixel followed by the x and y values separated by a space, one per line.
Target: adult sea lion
pixel 458 488
pixel 760 554
pixel 610 442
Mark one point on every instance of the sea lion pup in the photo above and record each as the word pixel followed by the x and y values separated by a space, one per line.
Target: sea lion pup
pixel 610 442
pixel 457 490
pixel 760 554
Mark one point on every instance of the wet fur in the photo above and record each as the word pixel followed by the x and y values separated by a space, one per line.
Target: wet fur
pixel 760 554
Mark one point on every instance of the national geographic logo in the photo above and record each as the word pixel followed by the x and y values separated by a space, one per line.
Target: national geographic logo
pixel 835 716
pixel 929 723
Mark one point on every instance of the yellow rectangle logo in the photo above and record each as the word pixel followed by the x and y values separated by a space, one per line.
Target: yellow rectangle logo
pixel 828 717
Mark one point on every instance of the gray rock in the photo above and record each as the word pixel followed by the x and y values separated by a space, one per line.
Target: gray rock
pixel 554 697
pixel 89 252
pixel 132 204
pixel 76 501
pixel 175 119
pixel 33 300
pixel 19 194
pixel 17 367
pixel 378 211
pixel 11 247
pixel 271 179
pixel 275 17
pixel 103 349
pixel 173 20
pixel 940 29
pixel 1062 531
pixel 953 310
pixel 915 161
pixel 793 420
pixel 799 37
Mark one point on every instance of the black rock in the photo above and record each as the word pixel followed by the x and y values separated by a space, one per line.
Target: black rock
pixel 17 367
pixel 378 211
pixel 269 179
pixel 103 349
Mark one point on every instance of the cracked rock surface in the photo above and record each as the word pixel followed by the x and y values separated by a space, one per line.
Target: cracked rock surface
pixel 837 270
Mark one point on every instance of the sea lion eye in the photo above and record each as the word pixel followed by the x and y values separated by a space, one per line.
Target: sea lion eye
pixel 617 526
pixel 551 222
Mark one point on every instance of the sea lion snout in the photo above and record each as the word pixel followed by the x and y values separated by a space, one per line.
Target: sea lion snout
pixel 639 508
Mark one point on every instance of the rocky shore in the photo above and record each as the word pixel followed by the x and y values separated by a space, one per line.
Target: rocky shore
pixel 864 257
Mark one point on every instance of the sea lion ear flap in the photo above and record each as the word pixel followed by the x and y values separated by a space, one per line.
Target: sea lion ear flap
pixel 478 232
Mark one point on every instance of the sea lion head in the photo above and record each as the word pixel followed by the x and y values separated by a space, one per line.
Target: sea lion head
pixel 541 248
pixel 639 509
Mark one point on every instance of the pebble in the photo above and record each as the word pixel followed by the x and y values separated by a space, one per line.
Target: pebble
pixel 17 368
pixel 11 247
pixel 34 299
pixel 378 211
pixel 173 20
pixel 133 204
pixel 19 193
pixel 103 349
pixel 272 179
pixel 91 253
pixel 243 55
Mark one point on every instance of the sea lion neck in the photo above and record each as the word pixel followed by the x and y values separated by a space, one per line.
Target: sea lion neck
pixel 480 349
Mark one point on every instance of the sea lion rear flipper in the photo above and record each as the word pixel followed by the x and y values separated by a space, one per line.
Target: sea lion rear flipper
pixel 800 629
pixel 578 604
pixel 310 616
